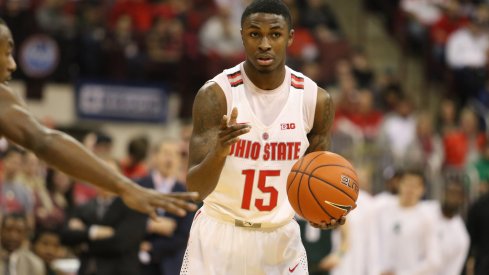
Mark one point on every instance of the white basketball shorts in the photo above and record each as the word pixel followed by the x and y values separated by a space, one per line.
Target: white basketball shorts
pixel 218 247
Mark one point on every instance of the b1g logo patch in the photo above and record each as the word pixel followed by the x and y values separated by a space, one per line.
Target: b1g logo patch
pixel 287 126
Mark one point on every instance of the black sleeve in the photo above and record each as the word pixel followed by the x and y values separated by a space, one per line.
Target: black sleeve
pixel 129 233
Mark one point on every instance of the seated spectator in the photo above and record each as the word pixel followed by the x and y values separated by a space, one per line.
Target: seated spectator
pixel 15 197
pixel 123 49
pixel 318 14
pixel 447 117
pixel 364 116
pixel 101 144
pixel 134 166
pixel 451 20
pixel 91 34
pixel 15 254
pixel 388 90
pixel 421 14
pixel 304 48
pixel 46 244
pixel 466 55
pixel 164 46
pixel 463 146
pixel 139 12
pixel 426 151
pixel 109 234
pixel 220 41
pixel 60 192
pixel 398 130
pixel 164 246
pixel 362 70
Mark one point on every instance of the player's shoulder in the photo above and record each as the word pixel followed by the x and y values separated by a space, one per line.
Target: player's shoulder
pixel 210 90
pixel 7 95
pixel 5 90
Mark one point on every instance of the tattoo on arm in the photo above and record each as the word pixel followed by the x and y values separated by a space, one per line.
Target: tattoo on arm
pixel 209 107
pixel 319 137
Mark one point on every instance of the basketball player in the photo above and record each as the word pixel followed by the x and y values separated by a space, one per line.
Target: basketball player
pixel 452 233
pixel 239 164
pixel 405 233
pixel 66 154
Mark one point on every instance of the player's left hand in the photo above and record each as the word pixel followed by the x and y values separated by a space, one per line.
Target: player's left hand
pixel 331 225
pixel 148 201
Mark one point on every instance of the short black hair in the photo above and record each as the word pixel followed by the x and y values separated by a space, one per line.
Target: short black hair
pixel 415 171
pixel 15 216
pixel 41 231
pixel 277 7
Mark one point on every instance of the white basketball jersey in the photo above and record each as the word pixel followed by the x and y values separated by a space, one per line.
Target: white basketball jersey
pixel 252 185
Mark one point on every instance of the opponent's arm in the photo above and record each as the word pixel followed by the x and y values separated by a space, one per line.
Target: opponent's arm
pixel 319 136
pixel 212 137
pixel 68 155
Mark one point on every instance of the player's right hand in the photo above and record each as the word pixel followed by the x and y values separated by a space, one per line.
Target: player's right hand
pixel 333 224
pixel 230 131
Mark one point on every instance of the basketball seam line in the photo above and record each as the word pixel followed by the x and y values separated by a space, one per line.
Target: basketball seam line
pixel 327 165
pixel 318 178
pixel 317 201
pixel 300 182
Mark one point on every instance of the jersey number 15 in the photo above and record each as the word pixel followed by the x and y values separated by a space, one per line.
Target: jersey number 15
pixel 248 189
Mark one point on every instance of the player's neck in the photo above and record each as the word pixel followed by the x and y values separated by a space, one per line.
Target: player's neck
pixel 406 203
pixel 265 80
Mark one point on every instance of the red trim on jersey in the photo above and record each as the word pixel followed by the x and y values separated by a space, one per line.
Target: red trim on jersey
pixel 297 82
pixel 235 79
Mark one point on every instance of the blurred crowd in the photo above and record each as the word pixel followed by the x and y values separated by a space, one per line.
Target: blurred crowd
pixel 49 219
pixel 424 172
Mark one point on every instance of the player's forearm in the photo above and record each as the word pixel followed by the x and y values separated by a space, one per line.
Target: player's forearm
pixel 68 155
pixel 203 177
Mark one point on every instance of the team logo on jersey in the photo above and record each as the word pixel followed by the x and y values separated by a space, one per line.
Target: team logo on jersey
pixel 287 126
pixel 345 208
pixel 265 136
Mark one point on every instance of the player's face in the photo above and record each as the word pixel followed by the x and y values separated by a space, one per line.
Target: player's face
pixel 454 197
pixel 411 189
pixel 7 63
pixel 266 38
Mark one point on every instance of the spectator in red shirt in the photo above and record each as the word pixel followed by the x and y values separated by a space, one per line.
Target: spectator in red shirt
pixel 463 146
pixel 133 166
pixel 451 20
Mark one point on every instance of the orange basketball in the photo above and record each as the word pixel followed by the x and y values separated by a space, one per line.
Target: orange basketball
pixel 322 186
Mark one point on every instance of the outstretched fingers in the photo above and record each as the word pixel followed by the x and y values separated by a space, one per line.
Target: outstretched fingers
pixel 176 203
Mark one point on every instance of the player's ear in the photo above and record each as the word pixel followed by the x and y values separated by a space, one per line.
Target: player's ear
pixel 291 37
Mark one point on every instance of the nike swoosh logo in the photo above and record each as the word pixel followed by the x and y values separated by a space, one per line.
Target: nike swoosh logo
pixel 293 269
pixel 345 208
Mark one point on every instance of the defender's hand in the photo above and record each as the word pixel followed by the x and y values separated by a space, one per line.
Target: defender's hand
pixel 148 201
pixel 332 225
pixel 229 132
